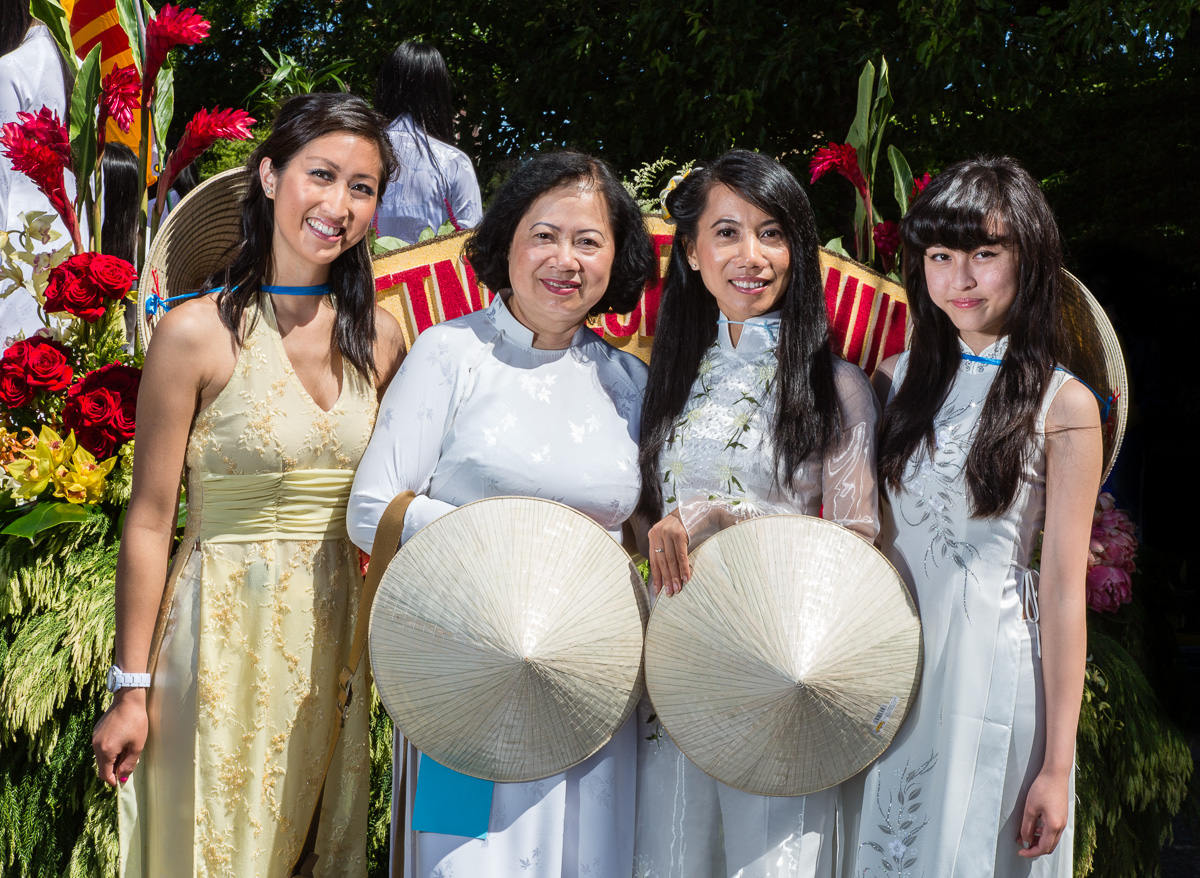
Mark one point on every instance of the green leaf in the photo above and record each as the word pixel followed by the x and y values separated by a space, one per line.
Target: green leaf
pixel 51 14
pixel 903 177
pixel 127 14
pixel 881 114
pixel 164 108
pixel 84 101
pixel 835 245
pixel 44 516
pixel 386 244
pixel 860 130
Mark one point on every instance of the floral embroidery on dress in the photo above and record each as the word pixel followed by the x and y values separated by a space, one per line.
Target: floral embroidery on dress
pixel 900 819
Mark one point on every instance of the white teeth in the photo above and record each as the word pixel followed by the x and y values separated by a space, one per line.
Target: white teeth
pixel 748 285
pixel 324 228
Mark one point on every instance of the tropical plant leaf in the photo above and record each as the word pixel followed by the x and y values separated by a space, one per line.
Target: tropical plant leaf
pixel 85 97
pixel 164 108
pixel 902 176
pixel 127 15
pixel 44 516
pixel 51 14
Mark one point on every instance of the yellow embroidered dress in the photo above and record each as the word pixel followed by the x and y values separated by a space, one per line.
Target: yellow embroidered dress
pixel 265 593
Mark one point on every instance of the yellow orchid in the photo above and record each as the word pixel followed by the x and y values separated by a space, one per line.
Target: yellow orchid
pixel 83 480
pixel 35 472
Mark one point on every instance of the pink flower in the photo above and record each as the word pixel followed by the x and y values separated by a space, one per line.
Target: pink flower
pixel 840 157
pixel 119 96
pixel 887 242
pixel 201 132
pixel 1107 589
pixel 919 184
pixel 170 28
pixel 40 149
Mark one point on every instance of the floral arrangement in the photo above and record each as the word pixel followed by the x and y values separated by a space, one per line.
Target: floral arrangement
pixel 1110 557
pixel 855 161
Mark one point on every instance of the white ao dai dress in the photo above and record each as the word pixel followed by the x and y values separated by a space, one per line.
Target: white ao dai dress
pixel 946 798
pixel 720 465
pixel 476 411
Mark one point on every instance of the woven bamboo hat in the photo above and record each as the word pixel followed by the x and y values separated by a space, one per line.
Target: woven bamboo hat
pixel 197 239
pixel 506 638
pixel 1096 358
pixel 789 660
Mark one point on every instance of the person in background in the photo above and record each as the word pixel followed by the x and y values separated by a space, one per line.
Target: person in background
pixel 436 182
pixel 32 75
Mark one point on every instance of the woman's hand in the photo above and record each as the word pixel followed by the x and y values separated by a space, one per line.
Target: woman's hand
pixel 668 545
pixel 1045 815
pixel 120 735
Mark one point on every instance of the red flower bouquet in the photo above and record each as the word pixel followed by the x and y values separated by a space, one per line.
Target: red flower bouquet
pixel 82 285
pixel 41 150
pixel 42 362
pixel 101 407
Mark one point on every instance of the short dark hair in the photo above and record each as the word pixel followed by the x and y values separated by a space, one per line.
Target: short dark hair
pixel 414 81
pixel 301 120
pixel 633 265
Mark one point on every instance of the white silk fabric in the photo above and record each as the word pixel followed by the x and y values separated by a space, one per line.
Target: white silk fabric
pixel 719 469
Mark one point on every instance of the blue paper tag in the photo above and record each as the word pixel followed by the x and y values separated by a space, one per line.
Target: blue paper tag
pixel 450 803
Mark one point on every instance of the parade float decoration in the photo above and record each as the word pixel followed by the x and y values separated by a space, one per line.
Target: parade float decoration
pixel 67 400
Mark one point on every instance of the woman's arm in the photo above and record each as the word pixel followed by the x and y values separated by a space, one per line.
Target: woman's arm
pixel 191 358
pixel 407 442
pixel 1073 461
pixel 849 486
pixel 881 379
pixel 389 349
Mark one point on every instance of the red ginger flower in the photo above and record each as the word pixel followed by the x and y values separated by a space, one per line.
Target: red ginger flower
pixel 40 149
pixel 119 96
pixel 203 131
pixel 840 157
pixel 919 184
pixel 170 28
pixel 887 242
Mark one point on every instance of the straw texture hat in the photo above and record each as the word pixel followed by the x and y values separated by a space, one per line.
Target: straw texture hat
pixel 196 239
pixel 789 660
pixel 506 638
pixel 1096 358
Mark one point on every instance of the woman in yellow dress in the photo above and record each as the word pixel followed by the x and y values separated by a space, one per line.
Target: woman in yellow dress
pixel 264 392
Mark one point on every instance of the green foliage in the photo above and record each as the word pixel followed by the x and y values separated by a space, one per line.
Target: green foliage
pixel 1133 768
pixel 379 811
pixel 226 154
pixel 290 77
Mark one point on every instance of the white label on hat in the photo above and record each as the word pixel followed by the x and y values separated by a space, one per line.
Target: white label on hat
pixel 883 715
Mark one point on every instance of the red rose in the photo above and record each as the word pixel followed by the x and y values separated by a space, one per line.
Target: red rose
pixel 100 408
pixel 72 289
pixel 14 389
pixel 43 363
pixel 114 276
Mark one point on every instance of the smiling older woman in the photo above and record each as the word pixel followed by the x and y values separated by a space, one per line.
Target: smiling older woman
pixel 523 399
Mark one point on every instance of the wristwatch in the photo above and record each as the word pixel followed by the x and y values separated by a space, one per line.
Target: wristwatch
pixel 118 679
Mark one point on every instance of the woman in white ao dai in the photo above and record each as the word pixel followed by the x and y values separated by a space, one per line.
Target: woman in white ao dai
pixel 985 443
pixel 743 268
pixel 523 399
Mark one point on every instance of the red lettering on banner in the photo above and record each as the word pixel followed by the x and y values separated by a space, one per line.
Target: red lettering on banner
pixel 623 325
pixel 833 283
pixel 853 346
pixel 895 336
pixel 454 299
pixel 414 281
pixel 886 309
pixel 845 308
pixel 652 296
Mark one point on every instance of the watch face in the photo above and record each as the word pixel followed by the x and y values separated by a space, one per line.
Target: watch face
pixel 112 678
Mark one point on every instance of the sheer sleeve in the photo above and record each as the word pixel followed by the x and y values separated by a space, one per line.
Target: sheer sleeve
pixel 404 449
pixel 849 485
pixel 468 204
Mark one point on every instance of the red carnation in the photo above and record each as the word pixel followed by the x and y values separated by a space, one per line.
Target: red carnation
pixel 40 149
pixel 113 275
pixel 100 408
pixel 119 94
pixel 919 184
pixel 840 157
pixel 42 362
pixel 887 242
pixel 203 131
pixel 170 28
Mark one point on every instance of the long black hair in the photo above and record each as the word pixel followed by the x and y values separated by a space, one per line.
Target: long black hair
pixel 980 202
pixel 122 195
pixel 414 80
pixel 299 121
pixel 633 263
pixel 15 20
pixel 807 417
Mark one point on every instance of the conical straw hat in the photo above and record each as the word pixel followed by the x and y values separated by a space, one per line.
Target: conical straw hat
pixel 789 660
pixel 506 638
pixel 197 239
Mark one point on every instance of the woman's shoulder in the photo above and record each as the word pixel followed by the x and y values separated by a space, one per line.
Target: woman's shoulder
pixel 193 324
pixel 622 363
pixel 849 377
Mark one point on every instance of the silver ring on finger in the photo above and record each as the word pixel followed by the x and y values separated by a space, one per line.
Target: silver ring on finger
pixel 660 550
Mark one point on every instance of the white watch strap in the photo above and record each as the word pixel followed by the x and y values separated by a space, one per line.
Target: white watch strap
pixel 118 679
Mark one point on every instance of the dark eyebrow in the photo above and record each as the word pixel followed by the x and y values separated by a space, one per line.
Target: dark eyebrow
pixel 599 232
pixel 336 167
pixel 728 219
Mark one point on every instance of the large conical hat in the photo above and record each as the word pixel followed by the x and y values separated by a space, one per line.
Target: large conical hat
pixel 790 658
pixel 506 638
